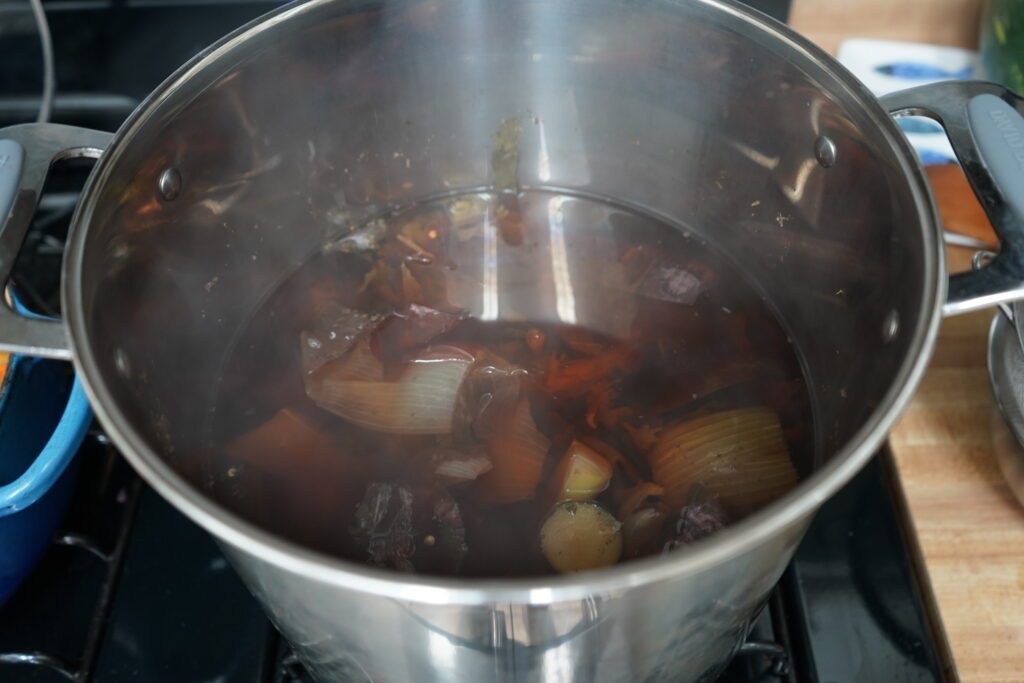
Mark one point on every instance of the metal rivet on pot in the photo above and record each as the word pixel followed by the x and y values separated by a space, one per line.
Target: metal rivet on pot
pixel 170 184
pixel 890 326
pixel 825 151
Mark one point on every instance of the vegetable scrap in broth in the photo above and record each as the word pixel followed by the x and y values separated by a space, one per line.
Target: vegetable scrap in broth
pixel 457 397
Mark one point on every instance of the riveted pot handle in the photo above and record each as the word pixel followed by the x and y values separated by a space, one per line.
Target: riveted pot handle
pixel 26 154
pixel 986 129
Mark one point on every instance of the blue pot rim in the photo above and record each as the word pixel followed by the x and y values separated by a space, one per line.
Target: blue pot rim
pixel 59 450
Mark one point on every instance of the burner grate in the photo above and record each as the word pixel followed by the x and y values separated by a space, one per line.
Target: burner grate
pixel 56 621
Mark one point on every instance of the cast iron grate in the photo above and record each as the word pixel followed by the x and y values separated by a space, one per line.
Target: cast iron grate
pixel 53 627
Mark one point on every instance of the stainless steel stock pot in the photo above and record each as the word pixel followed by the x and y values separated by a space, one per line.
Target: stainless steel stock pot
pixel 700 112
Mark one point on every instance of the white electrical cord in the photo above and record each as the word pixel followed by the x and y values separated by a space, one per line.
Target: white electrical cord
pixel 49 78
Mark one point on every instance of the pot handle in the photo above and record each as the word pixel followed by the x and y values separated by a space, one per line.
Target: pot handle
pixel 26 154
pixel 986 129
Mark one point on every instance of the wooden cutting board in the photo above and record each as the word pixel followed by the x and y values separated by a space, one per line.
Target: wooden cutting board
pixel 969 527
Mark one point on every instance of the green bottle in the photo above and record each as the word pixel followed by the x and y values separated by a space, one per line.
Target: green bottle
pixel 1001 43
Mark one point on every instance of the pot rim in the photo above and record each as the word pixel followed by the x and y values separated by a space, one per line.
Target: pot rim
pixel 791 510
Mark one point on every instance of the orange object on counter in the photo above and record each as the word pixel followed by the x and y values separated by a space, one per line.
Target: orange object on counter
pixel 960 210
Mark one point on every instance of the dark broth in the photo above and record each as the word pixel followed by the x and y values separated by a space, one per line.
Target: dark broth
pixel 662 331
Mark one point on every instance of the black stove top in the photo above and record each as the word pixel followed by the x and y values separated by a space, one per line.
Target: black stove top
pixel 130 590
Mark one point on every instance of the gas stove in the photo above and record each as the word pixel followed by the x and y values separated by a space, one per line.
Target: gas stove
pixel 130 590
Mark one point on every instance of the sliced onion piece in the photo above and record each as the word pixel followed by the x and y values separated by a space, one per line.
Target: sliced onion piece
pixel 582 474
pixel 360 364
pixel 517 449
pixel 578 536
pixel 459 470
pixel 422 401
pixel 453 467
pixel 740 456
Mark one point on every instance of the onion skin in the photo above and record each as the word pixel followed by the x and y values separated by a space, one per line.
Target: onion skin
pixel 517 450
pixel 410 328
pixel 637 496
pixel 739 456
pixel 332 341
pixel 422 401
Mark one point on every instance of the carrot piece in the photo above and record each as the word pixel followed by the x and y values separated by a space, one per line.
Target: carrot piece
pixel 572 379
pixel 302 471
pixel 284 442
pixel 582 341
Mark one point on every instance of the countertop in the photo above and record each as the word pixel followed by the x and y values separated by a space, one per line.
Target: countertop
pixel 969 526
